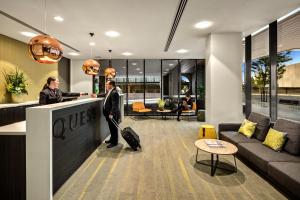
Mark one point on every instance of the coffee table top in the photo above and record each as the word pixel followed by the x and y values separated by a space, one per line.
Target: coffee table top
pixel 228 148
pixel 164 111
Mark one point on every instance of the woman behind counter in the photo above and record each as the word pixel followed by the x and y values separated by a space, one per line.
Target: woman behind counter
pixel 51 94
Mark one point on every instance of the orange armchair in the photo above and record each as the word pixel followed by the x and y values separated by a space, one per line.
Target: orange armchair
pixel 140 107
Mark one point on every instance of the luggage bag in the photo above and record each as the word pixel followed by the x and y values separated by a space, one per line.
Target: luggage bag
pixel 130 136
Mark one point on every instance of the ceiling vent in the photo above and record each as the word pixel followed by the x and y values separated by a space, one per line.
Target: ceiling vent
pixel 176 21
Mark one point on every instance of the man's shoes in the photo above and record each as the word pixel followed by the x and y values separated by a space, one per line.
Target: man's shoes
pixel 107 141
pixel 178 119
pixel 111 145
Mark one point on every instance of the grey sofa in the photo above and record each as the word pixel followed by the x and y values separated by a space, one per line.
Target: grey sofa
pixel 281 168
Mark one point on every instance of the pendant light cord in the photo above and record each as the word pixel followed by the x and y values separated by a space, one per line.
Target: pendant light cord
pixel 91 52
pixel 45 15
pixel 109 58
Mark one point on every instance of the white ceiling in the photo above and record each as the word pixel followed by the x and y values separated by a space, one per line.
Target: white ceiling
pixel 144 24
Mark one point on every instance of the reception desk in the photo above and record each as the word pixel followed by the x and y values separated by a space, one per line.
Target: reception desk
pixel 50 146
pixel 59 138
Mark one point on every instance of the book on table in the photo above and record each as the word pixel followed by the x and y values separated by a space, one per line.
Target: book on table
pixel 214 143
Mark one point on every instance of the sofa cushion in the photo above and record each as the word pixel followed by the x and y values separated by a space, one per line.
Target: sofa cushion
pixel 259 155
pixel 286 174
pixel 275 139
pixel 293 138
pixel 262 127
pixel 235 137
pixel 247 128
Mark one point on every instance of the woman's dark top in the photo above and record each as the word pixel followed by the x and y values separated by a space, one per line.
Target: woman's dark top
pixel 50 96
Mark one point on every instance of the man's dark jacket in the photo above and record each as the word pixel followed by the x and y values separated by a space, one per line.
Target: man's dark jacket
pixel 111 106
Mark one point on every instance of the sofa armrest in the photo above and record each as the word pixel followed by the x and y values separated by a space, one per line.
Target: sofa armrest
pixel 229 127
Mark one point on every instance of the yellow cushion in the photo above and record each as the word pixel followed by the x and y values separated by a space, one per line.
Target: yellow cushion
pixel 275 139
pixel 247 128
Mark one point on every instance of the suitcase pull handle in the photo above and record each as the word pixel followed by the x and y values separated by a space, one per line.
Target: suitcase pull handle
pixel 115 123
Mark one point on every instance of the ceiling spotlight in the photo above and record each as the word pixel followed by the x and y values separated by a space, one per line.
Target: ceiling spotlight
pixel 203 24
pixel 171 64
pixel 182 51
pixel 92 43
pixel 127 54
pixel 141 72
pixel 133 63
pixel 124 67
pixel 28 34
pixel 167 69
pixel 58 19
pixel 74 54
pixel 112 34
pixel 138 69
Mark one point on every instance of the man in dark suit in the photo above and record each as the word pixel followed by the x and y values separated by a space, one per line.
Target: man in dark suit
pixel 111 111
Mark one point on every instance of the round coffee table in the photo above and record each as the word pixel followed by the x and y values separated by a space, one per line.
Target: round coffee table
pixel 216 147
pixel 164 113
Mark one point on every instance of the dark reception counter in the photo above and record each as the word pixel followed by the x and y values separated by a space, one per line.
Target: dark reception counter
pixel 57 139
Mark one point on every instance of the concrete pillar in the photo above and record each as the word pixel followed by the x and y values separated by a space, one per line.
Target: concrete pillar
pixel 224 78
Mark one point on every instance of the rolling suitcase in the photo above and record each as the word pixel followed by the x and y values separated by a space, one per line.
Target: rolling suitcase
pixel 130 136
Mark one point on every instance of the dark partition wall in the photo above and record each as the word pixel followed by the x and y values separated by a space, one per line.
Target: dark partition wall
pixel 64 74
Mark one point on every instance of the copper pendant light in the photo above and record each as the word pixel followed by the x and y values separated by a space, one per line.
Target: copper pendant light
pixel 110 72
pixel 44 48
pixel 91 66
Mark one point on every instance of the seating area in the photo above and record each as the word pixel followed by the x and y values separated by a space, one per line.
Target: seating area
pixel 281 168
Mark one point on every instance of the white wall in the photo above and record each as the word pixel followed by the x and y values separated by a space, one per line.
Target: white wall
pixel 224 78
pixel 80 82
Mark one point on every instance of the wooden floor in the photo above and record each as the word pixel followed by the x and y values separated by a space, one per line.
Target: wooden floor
pixel 164 169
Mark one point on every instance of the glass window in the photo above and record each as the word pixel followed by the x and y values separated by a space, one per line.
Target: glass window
pixel 152 82
pixel 135 85
pixel 288 68
pixel 170 73
pixel 201 84
pixel 120 66
pixel 188 78
pixel 260 75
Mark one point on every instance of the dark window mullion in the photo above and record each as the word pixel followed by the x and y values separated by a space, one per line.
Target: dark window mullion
pixel 161 80
pixel 127 88
pixel 273 70
pixel 248 66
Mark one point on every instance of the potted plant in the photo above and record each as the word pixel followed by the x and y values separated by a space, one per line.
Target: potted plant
pixel 16 85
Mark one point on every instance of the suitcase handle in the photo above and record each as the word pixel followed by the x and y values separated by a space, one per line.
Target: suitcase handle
pixel 115 123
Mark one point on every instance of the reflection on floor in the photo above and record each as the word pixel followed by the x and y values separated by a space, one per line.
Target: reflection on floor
pixel 165 169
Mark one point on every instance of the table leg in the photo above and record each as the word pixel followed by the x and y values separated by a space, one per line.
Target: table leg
pixel 235 163
pixel 212 165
